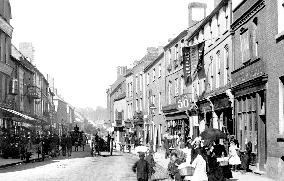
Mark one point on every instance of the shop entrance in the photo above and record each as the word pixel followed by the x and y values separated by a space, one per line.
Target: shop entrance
pixel 251 126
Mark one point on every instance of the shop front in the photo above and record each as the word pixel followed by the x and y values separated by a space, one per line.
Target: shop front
pixel 216 111
pixel 15 129
pixel 138 131
pixel 249 89
pixel 177 122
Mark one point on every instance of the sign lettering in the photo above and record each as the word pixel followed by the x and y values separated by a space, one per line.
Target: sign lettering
pixel 184 102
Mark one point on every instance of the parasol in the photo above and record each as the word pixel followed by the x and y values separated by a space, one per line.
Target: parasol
pixel 212 134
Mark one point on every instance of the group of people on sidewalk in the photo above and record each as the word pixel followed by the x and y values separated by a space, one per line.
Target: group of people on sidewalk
pixel 211 161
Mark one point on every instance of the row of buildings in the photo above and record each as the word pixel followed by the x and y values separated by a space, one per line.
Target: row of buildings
pixel 29 103
pixel 225 71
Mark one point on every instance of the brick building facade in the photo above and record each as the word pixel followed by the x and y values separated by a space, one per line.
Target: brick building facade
pixel 257 82
pixel 154 100
pixel 211 78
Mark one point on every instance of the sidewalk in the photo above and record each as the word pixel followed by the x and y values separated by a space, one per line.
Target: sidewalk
pixel 159 157
pixel 10 162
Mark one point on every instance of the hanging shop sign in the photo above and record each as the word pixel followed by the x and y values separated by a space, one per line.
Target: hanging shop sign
pixel 184 102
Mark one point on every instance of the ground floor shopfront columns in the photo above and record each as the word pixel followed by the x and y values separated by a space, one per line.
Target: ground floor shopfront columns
pixel 249 87
pixel 216 113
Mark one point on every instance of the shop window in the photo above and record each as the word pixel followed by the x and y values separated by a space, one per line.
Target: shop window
pixel 280 16
pixel 247 121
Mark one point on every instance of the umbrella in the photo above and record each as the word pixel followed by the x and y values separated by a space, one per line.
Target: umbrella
pixel 141 149
pixel 212 134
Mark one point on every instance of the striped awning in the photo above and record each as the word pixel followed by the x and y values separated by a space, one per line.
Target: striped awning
pixel 18 114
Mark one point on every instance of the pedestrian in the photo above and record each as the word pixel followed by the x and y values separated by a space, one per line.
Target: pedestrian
pixel 167 147
pixel 76 143
pixel 69 145
pixel 84 141
pixel 37 143
pixel 108 142
pixel 29 150
pixel 234 159
pixel 97 144
pixel 196 144
pixel 111 143
pixel 141 167
pixel 173 167
pixel 246 159
pixel 199 163
pixel 63 144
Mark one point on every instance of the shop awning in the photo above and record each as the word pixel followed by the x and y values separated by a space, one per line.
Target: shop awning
pixel 18 114
pixel 174 117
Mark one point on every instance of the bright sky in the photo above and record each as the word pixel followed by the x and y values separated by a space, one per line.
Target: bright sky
pixel 81 42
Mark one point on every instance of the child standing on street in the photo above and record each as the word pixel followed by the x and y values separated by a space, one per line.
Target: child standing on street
pixel 141 167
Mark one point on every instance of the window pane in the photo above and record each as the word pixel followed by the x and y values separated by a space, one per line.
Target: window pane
pixel 255 122
pixel 253 103
pixel 239 105
pixel 244 105
pixel 249 104
pixel 240 121
pixel 245 46
pixel 250 121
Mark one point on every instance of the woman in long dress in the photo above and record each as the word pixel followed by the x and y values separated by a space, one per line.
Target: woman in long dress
pixel 234 159
pixel 199 164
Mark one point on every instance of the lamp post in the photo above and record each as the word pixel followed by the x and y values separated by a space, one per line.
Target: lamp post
pixel 152 108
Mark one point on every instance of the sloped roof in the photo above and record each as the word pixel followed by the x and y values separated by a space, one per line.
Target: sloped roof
pixel 151 64
pixel 16 54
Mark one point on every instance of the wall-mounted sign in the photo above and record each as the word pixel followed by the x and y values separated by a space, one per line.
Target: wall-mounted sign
pixel 184 102
pixel 249 72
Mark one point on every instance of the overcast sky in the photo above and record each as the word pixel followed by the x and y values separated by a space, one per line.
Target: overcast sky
pixel 81 42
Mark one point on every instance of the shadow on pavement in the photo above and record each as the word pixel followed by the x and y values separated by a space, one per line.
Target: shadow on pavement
pixel 26 166
pixel 34 164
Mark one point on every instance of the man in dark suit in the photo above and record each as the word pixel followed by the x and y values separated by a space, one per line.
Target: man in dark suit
pixel 142 168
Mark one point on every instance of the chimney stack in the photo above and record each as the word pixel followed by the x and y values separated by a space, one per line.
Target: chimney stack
pixel 195 5
pixel 121 70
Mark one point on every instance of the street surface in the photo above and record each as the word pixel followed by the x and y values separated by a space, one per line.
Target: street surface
pixel 80 166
